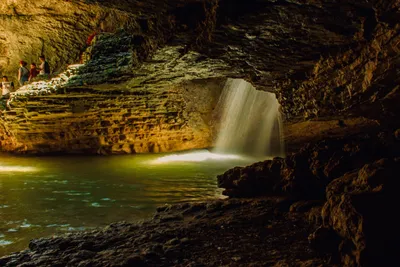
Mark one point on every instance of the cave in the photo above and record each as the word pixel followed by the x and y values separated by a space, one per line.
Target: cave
pixel 200 133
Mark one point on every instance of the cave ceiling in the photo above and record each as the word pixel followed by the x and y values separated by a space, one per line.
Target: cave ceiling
pixel 316 55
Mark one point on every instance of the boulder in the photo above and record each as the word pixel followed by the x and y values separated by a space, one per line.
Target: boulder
pixel 361 209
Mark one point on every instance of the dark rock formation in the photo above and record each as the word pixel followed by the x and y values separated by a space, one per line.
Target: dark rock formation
pixel 306 174
pixel 360 209
pixel 356 176
pixel 224 232
pixel 150 83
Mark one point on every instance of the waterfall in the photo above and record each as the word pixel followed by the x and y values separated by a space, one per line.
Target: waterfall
pixel 250 122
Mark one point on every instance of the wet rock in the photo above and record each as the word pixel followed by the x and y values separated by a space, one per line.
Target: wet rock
pixel 304 206
pixel 324 240
pixel 237 235
pixel 135 260
pixel 360 209
pixel 167 218
pixel 172 242
pixel 83 254
pixel 306 173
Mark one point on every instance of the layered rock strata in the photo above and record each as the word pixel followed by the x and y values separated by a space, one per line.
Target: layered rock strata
pixel 104 107
pixel 320 58
pixel 159 108
pixel 112 120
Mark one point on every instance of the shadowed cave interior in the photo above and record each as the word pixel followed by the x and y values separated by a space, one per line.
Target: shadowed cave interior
pixel 201 133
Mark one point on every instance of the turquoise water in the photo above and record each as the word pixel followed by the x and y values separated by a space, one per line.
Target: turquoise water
pixel 45 196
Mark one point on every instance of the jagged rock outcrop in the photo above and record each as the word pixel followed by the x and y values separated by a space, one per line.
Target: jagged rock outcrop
pixel 60 29
pixel 347 186
pixel 360 209
pixel 306 173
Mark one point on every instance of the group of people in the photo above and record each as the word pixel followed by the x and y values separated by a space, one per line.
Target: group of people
pixel 25 75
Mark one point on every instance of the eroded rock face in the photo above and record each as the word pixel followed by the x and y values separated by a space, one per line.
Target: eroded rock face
pixel 57 29
pixel 102 107
pixel 305 174
pixel 359 209
pixel 113 120
pixel 356 177
pixel 319 57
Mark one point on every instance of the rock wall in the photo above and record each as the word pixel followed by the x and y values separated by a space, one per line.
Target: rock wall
pixel 362 80
pixel 60 29
pixel 347 187
pixel 112 120
pixel 103 107
pixel 321 58
pixel 57 29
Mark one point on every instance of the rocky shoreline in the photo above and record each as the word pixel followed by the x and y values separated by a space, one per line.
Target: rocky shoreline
pixel 329 204
pixel 150 84
pixel 253 232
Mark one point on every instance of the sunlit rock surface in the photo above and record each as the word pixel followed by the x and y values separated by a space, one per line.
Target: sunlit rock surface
pixel 103 107
pixel 321 58
pixel 112 119
pixel 151 81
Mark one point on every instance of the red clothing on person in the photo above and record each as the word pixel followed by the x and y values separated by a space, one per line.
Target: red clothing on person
pixel 33 73
pixel 90 38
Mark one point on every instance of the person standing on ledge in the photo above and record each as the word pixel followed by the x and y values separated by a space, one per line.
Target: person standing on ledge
pixel 6 88
pixel 23 73
pixel 33 72
pixel 44 66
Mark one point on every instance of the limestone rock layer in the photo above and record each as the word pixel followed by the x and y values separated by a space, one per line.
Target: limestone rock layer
pixel 321 58
pixel 114 121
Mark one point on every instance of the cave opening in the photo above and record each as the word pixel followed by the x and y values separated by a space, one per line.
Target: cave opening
pixel 154 82
pixel 248 126
pixel 251 121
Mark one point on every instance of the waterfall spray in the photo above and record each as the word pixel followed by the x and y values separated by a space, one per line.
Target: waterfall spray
pixel 251 122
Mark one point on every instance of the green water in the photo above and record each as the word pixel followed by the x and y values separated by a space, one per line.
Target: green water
pixel 45 196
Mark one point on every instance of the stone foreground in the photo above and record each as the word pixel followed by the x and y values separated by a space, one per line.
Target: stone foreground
pixel 355 179
pixel 218 233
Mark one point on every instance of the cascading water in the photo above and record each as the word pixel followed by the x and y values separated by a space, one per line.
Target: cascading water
pixel 251 127
pixel 251 122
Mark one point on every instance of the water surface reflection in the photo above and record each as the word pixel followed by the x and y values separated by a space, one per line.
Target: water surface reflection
pixel 44 196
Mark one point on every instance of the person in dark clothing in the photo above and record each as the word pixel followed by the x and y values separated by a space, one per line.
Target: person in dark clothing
pixel 6 88
pixel 44 66
pixel 23 73
pixel 33 71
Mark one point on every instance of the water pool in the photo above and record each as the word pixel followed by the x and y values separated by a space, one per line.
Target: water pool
pixel 45 196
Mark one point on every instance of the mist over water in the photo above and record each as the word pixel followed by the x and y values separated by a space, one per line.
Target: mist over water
pixel 251 123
